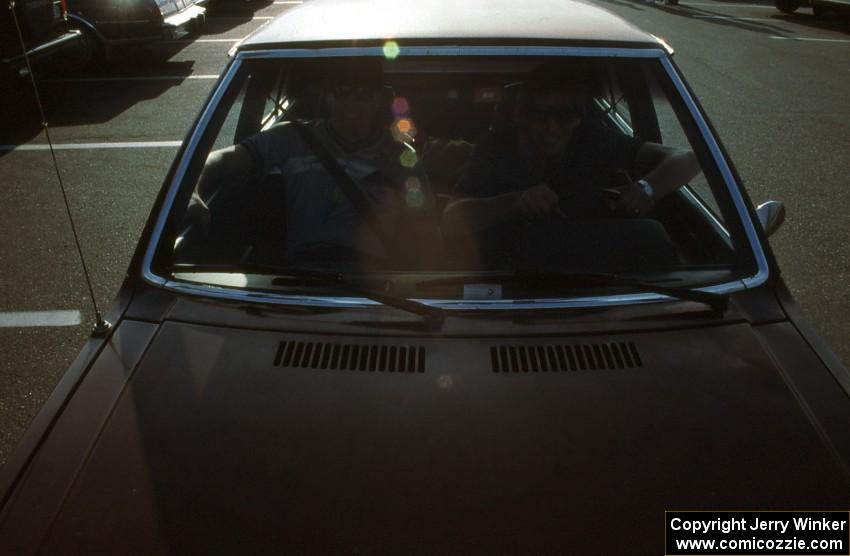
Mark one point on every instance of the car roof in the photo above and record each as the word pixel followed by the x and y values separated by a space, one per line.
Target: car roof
pixel 447 21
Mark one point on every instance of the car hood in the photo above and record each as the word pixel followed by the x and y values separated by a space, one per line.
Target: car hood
pixel 227 440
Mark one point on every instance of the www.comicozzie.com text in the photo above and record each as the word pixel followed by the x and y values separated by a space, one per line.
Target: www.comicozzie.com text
pixel 760 544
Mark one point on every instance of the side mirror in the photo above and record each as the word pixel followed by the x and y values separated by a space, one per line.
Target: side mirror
pixel 771 215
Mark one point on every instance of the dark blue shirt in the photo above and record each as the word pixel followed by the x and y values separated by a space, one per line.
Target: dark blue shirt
pixel 598 157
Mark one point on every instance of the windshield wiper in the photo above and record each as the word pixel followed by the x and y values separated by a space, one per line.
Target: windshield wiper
pixel 282 274
pixel 572 280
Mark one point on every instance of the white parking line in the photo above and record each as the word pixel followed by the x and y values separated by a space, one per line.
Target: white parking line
pixel 808 39
pixel 84 146
pixel 204 40
pixel 26 319
pixel 237 18
pixel 733 18
pixel 130 78
pixel 723 5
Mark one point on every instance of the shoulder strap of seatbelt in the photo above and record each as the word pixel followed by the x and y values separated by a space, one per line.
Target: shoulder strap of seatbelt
pixel 342 180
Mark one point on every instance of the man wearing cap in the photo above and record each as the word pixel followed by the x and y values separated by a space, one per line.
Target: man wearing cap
pixel 323 220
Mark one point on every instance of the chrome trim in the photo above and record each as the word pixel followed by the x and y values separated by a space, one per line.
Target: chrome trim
pixel 72 39
pixel 664 44
pixel 548 303
pixel 180 172
pixel 731 185
pixel 88 25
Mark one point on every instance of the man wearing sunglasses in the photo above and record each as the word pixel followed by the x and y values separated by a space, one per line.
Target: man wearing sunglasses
pixel 554 164
pixel 341 179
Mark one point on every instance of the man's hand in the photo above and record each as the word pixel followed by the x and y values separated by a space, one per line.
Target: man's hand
pixel 632 200
pixel 539 202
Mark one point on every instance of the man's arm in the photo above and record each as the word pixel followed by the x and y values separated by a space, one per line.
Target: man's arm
pixel 672 169
pixel 676 167
pixel 477 205
pixel 219 167
pixel 470 215
pixel 223 164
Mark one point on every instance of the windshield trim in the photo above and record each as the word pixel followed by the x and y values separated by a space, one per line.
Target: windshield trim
pixel 149 276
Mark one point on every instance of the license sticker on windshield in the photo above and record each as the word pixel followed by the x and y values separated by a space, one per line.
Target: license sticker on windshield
pixel 482 291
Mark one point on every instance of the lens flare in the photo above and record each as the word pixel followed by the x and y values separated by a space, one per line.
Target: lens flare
pixel 391 50
pixel 408 159
pixel 400 107
pixel 403 131
pixel 445 382
pixel 404 125
pixel 414 196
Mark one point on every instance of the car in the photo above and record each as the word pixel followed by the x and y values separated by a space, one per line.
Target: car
pixel 819 7
pixel 276 378
pixel 45 34
pixel 115 24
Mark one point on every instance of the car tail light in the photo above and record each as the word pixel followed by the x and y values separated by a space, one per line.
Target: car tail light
pixel 64 6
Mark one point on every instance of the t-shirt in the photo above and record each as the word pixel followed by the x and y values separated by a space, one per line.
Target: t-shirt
pixel 319 213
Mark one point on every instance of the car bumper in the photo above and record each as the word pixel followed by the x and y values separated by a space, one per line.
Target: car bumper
pixel 173 25
pixel 181 23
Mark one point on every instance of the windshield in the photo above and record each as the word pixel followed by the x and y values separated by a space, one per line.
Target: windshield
pixel 410 170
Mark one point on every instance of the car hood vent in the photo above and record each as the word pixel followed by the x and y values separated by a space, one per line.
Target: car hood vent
pixel 555 358
pixel 351 357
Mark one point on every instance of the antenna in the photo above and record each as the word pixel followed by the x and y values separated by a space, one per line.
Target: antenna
pixel 101 326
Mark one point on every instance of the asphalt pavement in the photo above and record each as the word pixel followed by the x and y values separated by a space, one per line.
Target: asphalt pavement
pixel 775 86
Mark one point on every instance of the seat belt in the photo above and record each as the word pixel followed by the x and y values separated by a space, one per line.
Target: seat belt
pixel 342 180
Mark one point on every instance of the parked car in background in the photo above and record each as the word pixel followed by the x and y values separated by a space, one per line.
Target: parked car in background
pixel 112 24
pixel 269 386
pixel 46 36
pixel 820 7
